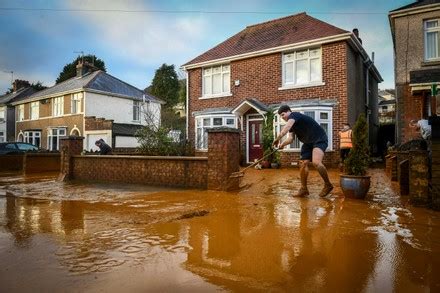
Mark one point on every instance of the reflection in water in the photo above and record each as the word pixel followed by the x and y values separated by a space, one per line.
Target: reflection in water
pixel 113 238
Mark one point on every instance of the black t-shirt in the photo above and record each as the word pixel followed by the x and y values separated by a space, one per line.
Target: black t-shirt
pixel 306 128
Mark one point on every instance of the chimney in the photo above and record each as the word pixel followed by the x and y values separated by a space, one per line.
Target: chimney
pixel 19 84
pixel 84 67
pixel 356 33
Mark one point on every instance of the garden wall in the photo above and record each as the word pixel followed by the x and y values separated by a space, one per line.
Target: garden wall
pixel 31 163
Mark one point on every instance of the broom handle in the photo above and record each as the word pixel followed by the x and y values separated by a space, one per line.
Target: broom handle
pixel 256 162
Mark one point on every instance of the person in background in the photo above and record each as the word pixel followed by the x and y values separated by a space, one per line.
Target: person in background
pixel 315 142
pixel 104 149
pixel 345 144
pixel 422 126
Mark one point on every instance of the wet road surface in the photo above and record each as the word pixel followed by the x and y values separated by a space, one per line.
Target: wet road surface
pixel 74 237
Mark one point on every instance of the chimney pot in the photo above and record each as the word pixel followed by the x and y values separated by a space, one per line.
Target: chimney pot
pixel 19 84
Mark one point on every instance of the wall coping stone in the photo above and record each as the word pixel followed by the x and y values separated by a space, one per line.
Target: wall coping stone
pixel 222 129
pixel 174 158
pixel 71 137
pixel 43 154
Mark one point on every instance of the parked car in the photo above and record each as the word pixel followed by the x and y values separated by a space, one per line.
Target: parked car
pixel 16 147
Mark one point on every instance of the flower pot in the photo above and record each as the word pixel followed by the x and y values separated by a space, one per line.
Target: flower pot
pixel 355 186
pixel 265 164
pixel 274 165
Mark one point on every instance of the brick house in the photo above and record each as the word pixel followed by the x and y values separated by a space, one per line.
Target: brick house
pixel 415 30
pixel 21 89
pixel 314 67
pixel 92 104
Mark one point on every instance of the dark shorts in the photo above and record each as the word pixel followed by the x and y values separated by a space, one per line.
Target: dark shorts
pixel 307 149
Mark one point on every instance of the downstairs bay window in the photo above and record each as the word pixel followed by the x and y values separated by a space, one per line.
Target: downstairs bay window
pixel 210 121
pixel 322 115
pixel 53 137
pixel 33 137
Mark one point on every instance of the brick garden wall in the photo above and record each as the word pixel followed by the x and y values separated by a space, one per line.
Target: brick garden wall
pixel 159 171
pixel 31 162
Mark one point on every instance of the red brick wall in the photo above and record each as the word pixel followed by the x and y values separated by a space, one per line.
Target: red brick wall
pixel 93 123
pixel 158 171
pixel 260 77
pixel 409 107
pixel 37 163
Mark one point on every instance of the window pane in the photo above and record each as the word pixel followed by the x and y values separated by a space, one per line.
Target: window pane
pixel 310 114
pixel 226 83
pixel 207 71
pixel 431 45
pixel 315 69
pixel 301 71
pixel 288 71
pixel 207 122
pixel 217 69
pixel 323 115
pixel 207 85
pixel 431 24
pixel 216 83
pixel 325 126
pixel 230 121
pixel 199 122
pixel 302 54
pixel 225 68
pixel 289 57
pixel 218 121
pixel 315 52
pixel 253 134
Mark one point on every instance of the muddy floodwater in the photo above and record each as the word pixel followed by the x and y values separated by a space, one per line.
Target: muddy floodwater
pixel 76 237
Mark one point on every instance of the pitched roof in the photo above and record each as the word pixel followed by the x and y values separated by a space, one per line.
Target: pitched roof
pixel 98 81
pixel 20 94
pixel 416 4
pixel 274 33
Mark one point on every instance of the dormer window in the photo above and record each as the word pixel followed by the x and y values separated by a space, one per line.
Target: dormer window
pixel 432 30
pixel 302 68
pixel 216 81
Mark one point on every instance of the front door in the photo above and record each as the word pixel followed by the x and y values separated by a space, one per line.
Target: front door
pixel 255 140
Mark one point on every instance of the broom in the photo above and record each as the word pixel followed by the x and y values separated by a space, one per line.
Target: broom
pixel 241 173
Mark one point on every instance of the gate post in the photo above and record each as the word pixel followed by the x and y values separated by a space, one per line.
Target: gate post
pixel 69 146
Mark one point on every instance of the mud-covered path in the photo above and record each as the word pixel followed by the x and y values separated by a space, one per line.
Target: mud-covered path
pixel 110 238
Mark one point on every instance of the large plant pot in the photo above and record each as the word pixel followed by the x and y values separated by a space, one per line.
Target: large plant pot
pixel 355 186
pixel 265 164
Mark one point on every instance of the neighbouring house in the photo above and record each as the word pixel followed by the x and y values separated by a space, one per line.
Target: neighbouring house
pixel 93 104
pixel 387 107
pixel 415 29
pixel 312 66
pixel 21 89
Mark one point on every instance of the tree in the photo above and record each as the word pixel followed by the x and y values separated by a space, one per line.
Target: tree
pixel 165 85
pixel 359 157
pixel 69 69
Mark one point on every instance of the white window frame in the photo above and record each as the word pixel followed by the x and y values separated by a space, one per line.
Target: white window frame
pixel 58 106
pixel 225 81
pixel 203 145
pixel 2 114
pixel 136 111
pixel 75 103
pixel 290 59
pixel 20 112
pixel 31 137
pixel 431 30
pixel 34 110
pixel 296 144
pixel 60 132
pixel 2 136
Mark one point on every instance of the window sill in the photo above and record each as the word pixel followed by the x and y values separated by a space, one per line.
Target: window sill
pixel 289 87
pixel 216 96
pixel 430 63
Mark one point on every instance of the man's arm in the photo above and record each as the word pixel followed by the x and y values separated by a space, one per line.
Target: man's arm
pixel 283 132
pixel 287 141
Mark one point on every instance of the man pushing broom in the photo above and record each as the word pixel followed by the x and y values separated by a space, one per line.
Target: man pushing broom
pixel 315 142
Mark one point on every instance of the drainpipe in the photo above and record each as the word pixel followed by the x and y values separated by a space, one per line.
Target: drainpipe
pixel 368 63
pixel 187 105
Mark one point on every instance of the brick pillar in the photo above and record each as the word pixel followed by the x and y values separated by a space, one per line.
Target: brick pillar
pixel 69 146
pixel 403 171
pixel 391 166
pixel 418 177
pixel 223 158
pixel 435 180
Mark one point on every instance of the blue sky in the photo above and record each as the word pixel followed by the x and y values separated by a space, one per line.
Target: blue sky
pixel 37 41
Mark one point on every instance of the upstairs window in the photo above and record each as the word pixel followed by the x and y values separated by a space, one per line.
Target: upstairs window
pixel 216 81
pixel 35 110
pixel 302 67
pixel 20 113
pixel 432 30
pixel 136 111
pixel 75 106
pixel 2 114
pixel 58 106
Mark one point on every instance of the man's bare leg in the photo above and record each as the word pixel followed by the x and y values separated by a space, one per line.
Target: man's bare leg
pixel 317 157
pixel 304 173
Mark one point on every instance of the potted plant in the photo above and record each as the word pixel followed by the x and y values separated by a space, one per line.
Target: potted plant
pixel 275 161
pixel 267 140
pixel 355 183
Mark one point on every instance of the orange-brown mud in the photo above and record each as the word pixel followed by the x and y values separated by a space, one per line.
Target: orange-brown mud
pixel 75 237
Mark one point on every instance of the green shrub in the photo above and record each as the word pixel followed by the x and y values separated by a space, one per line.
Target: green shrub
pixel 359 158
pixel 268 135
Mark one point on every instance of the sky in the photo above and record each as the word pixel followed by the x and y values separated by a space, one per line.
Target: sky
pixel 135 37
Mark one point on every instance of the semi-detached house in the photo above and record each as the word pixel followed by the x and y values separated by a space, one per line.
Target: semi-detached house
pixel 93 104
pixel 312 66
